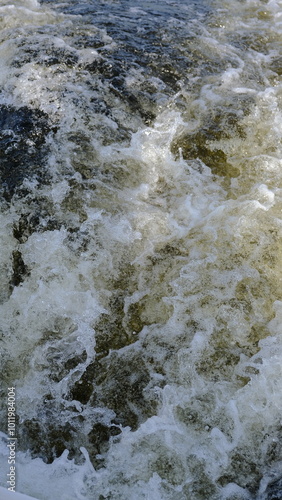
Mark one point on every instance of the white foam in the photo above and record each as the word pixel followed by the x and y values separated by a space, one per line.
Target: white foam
pixel 9 495
pixel 192 253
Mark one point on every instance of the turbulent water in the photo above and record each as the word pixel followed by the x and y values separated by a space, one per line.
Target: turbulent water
pixel 141 248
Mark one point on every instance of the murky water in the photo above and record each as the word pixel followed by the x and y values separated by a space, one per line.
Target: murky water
pixel 141 248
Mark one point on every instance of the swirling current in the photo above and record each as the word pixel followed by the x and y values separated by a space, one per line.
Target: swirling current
pixel 141 248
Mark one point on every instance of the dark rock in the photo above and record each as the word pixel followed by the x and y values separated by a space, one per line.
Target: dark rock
pixel 274 490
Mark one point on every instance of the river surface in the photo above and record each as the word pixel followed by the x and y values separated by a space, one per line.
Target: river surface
pixel 141 248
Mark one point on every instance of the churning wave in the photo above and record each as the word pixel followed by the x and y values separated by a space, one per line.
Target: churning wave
pixel 141 300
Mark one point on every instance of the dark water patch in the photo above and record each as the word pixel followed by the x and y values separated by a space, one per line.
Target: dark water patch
pixel 74 203
pixel 20 270
pixel 152 36
pixel 136 99
pixel 256 40
pixel 23 150
pixel 99 438
pixel 164 8
pixel 30 50
pixel 47 439
pixel 119 327
pixel 202 487
pixel 116 383
pixel 38 221
pixel 244 470
pixel 59 368
pixel 139 102
pixel 120 387
pixel 276 65
pixel 169 467
pixel 274 490
pixel 110 331
pixel 202 144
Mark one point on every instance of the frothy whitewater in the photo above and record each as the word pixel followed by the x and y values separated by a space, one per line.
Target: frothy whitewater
pixel 141 248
